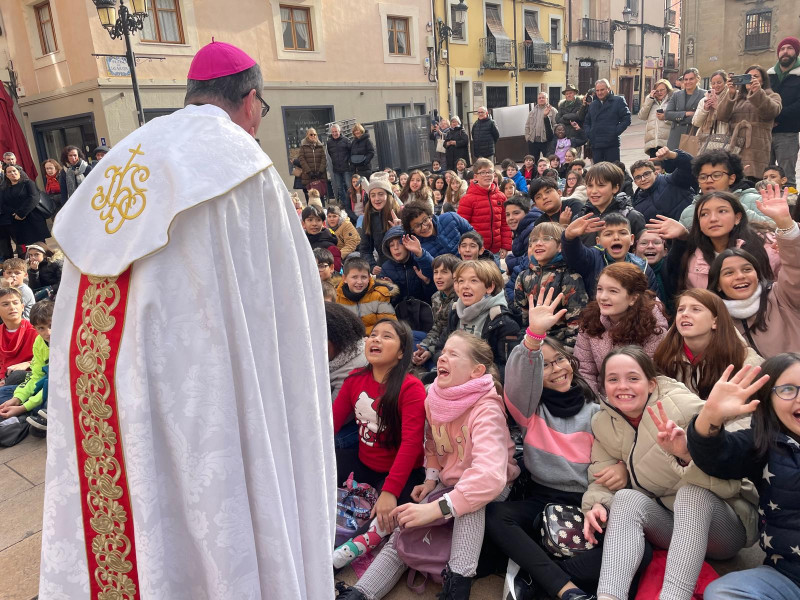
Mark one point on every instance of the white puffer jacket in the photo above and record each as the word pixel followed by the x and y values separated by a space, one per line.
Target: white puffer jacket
pixel 656 133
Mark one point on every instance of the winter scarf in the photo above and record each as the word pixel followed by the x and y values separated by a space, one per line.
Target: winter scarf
pixel 75 176
pixel 475 316
pixel 354 296
pixel 448 404
pixel 564 404
pixel 538 134
pixel 52 186
pixel 744 309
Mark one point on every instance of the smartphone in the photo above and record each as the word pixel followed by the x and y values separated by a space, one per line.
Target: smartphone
pixel 660 111
pixel 741 79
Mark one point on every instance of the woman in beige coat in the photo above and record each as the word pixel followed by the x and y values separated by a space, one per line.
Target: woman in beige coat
pixel 757 104
pixel 705 117
pixel 656 133
pixel 670 502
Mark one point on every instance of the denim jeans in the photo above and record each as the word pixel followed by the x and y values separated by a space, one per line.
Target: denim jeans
pixel 341 182
pixel 785 147
pixel 7 392
pixel 347 437
pixel 761 583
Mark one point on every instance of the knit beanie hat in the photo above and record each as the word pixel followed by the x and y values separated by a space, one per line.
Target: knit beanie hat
pixel 380 181
pixel 792 41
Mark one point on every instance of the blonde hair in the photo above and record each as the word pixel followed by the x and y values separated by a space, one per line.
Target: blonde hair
pixel 485 270
pixel 666 84
pixel 358 127
pixel 481 354
pixel 547 228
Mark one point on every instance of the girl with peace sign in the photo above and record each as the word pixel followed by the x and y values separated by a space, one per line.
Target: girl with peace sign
pixel 769 455
pixel 670 502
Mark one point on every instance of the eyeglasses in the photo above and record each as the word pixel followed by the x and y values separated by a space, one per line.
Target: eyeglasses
pixel 545 239
pixel 786 392
pixel 323 265
pixel 560 360
pixel 715 176
pixel 422 224
pixel 646 243
pixel 645 175
pixel 264 105
pixel 312 135
pixel 485 173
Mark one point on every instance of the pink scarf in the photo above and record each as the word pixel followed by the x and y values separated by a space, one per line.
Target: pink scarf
pixel 447 404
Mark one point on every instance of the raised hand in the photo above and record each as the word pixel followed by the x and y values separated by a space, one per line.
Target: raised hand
pixel 418 273
pixel 775 205
pixel 583 225
pixel 412 244
pixel 595 521
pixel 542 315
pixel 565 218
pixel 729 399
pixel 665 153
pixel 395 219
pixel 668 229
pixel 671 437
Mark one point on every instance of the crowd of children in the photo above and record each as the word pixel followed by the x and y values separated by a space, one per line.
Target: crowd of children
pixel 611 317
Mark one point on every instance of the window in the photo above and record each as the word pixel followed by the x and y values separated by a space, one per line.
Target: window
pixel 531 94
pixel 555 34
pixel 554 95
pixel 498 42
pixel 398 35
pixel 398 111
pixel 296 27
pixel 634 6
pixel 163 22
pixel 44 23
pixel 459 34
pixel 496 96
pixel 757 30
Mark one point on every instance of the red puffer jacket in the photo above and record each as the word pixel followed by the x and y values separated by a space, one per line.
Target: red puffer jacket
pixel 484 210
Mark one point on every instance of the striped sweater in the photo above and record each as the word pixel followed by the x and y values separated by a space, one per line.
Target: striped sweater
pixel 557 450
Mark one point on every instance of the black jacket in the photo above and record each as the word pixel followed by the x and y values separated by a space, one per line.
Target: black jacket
pixel 48 274
pixel 373 241
pixel 501 331
pixel 620 204
pixel 788 120
pixel 731 455
pixel 484 137
pixel 670 193
pixel 339 151
pixel 605 121
pixel 362 147
pixel 460 150
pixel 21 200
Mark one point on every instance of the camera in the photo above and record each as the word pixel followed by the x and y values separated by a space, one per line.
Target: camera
pixel 741 79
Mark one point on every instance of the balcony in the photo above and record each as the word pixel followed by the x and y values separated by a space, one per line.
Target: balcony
pixel 595 32
pixel 494 53
pixel 534 56
pixel 633 54
pixel 672 18
pixel 671 64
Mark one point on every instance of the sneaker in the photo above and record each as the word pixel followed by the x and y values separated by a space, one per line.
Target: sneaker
pixel 37 422
pixel 577 594
pixel 518 584
pixel 42 413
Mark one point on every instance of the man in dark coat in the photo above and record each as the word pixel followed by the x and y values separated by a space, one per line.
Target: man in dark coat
pixel 608 116
pixel 456 143
pixel 339 152
pixel 784 78
pixel 484 135
pixel 569 108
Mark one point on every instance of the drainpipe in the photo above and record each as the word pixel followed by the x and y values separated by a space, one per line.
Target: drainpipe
pixel 516 57
pixel 569 35
pixel 641 61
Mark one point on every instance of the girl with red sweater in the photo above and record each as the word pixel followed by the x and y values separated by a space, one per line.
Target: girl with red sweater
pixel 468 449
pixel 482 206
pixel 16 343
pixel 389 406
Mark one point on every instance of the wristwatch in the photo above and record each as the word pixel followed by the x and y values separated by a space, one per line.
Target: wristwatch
pixel 445 508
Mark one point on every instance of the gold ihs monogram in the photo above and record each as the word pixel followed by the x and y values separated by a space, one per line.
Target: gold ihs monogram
pixel 444 445
pixel 125 199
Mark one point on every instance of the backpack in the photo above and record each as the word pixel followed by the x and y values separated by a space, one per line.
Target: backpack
pixel 12 431
pixel 416 313
pixel 426 550
pixel 354 502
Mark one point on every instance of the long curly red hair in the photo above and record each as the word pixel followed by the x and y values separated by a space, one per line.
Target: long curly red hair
pixel 639 321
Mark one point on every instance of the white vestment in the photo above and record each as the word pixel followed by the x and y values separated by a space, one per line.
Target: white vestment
pixel 221 376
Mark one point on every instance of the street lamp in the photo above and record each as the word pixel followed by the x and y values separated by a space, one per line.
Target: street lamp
pixel 626 14
pixel 128 22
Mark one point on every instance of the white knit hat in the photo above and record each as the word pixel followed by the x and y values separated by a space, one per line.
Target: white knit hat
pixel 380 181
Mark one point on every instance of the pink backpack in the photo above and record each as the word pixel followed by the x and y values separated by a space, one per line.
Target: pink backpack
pixel 426 550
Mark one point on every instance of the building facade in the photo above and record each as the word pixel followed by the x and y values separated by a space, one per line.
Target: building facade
pixel 499 53
pixel 322 60
pixel 632 43
pixel 731 35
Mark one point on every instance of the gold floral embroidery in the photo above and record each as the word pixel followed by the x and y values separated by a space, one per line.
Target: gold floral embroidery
pixel 102 471
pixel 125 199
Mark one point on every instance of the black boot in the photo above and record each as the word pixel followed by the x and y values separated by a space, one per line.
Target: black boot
pixel 348 593
pixel 454 586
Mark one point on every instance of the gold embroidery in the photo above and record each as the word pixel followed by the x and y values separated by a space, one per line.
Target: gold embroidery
pixel 124 200
pixel 101 468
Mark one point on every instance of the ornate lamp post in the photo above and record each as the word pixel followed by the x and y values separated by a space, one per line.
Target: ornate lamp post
pixel 128 22
pixel 444 34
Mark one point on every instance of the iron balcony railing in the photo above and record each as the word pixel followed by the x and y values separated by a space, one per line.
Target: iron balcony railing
pixel 494 53
pixel 595 30
pixel 535 56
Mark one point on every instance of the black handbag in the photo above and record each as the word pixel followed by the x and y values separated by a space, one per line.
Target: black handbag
pixel 562 530
pixel 47 206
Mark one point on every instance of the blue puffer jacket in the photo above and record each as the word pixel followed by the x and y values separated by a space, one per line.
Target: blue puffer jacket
pixel 449 227
pixel 605 121
pixel 519 181
pixel 589 262
pixel 776 475
pixel 403 275
pixel 669 194
pixel 519 245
